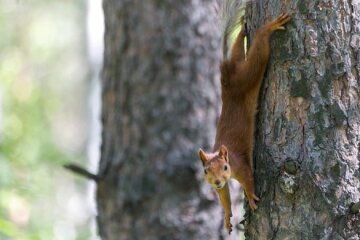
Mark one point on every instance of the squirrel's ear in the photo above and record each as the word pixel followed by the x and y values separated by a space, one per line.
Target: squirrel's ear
pixel 202 156
pixel 223 152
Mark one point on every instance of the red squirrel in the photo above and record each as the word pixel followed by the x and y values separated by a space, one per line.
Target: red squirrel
pixel 241 77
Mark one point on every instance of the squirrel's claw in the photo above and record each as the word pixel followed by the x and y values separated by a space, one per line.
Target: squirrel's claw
pixel 252 203
pixel 229 228
pixel 281 20
pixel 278 23
pixel 252 198
pixel 228 224
pixel 255 197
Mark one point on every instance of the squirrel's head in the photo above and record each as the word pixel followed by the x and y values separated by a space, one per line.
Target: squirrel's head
pixel 216 167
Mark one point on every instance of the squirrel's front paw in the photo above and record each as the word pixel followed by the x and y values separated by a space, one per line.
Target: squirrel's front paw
pixel 228 224
pixel 252 203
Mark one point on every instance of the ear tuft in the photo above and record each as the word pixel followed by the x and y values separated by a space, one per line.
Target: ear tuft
pixel 202 156
pixel 223 152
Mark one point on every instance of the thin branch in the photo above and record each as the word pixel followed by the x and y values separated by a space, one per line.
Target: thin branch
pixel 82 172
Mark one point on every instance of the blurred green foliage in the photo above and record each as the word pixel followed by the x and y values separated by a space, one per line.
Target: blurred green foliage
pixel 42 101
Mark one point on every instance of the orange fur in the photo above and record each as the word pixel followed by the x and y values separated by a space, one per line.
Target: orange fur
pixel 240 80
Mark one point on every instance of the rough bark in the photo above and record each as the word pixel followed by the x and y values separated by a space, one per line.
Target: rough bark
pixel 308 136
pixel 160 104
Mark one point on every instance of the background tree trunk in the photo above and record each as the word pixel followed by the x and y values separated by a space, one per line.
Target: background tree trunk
pixel 160 104
pixel 308 136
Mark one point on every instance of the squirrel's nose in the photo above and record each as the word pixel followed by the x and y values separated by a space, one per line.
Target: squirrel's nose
pixel 217 182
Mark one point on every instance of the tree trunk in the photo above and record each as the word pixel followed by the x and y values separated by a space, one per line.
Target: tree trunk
pixel 308 131
pixel 160 104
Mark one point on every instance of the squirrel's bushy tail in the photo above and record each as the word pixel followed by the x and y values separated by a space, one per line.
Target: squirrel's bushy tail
pixel 232 14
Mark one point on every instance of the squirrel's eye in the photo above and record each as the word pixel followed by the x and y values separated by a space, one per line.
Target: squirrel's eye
pixel 225 168
pixel 205 171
